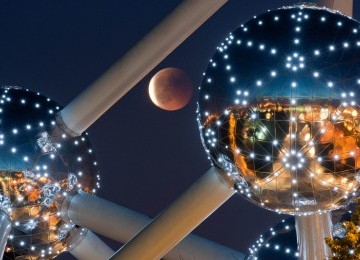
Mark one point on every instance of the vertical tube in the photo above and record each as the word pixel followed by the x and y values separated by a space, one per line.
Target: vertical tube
pixel 122 224
pixel 90 247
pixel 178 220
pixel 84 110
pixel 311 232
pixel 5 227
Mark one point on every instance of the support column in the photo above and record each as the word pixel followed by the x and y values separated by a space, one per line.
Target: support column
pixel 84 110
pixel 311 232
pixel 90 247
pixel 5 228
pixel 179 219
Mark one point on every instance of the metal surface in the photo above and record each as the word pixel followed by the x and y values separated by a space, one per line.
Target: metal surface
pixel 5 228
pixel 137 63
pixel 90 247
pixel 37 171
pixel 179 219
pixel 278 111
pixel 122 224
pixel 311 232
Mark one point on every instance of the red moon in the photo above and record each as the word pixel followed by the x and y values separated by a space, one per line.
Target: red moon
pixel 170 89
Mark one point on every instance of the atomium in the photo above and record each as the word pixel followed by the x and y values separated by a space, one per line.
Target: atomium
pixel 39 167
pixel 279 109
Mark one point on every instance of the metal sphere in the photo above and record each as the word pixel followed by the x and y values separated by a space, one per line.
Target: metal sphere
pixel 279 109
pixel 38 169
pixel 279 242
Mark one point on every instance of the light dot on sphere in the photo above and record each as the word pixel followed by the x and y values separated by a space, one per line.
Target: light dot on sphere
pixel 170 89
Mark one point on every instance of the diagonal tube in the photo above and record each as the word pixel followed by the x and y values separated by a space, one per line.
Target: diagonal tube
pixel 344 6
pixel 85 109
pixel 88 246
pixel 192 207
pixel 122 224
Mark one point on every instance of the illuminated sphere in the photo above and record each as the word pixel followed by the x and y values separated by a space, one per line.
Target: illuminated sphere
pixel 279 109
pixel 279 243
pixel 39 167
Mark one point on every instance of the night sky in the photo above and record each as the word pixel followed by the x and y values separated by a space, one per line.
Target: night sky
pixel 147 156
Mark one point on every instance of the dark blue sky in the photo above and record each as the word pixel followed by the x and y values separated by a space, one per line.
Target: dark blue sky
pixel 147 156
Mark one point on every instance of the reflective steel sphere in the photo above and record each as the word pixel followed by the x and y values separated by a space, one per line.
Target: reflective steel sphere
pixel 279 109
pixel 39 167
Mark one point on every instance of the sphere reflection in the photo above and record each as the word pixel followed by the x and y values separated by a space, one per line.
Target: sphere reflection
pixel 279 109
pixel 39 167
